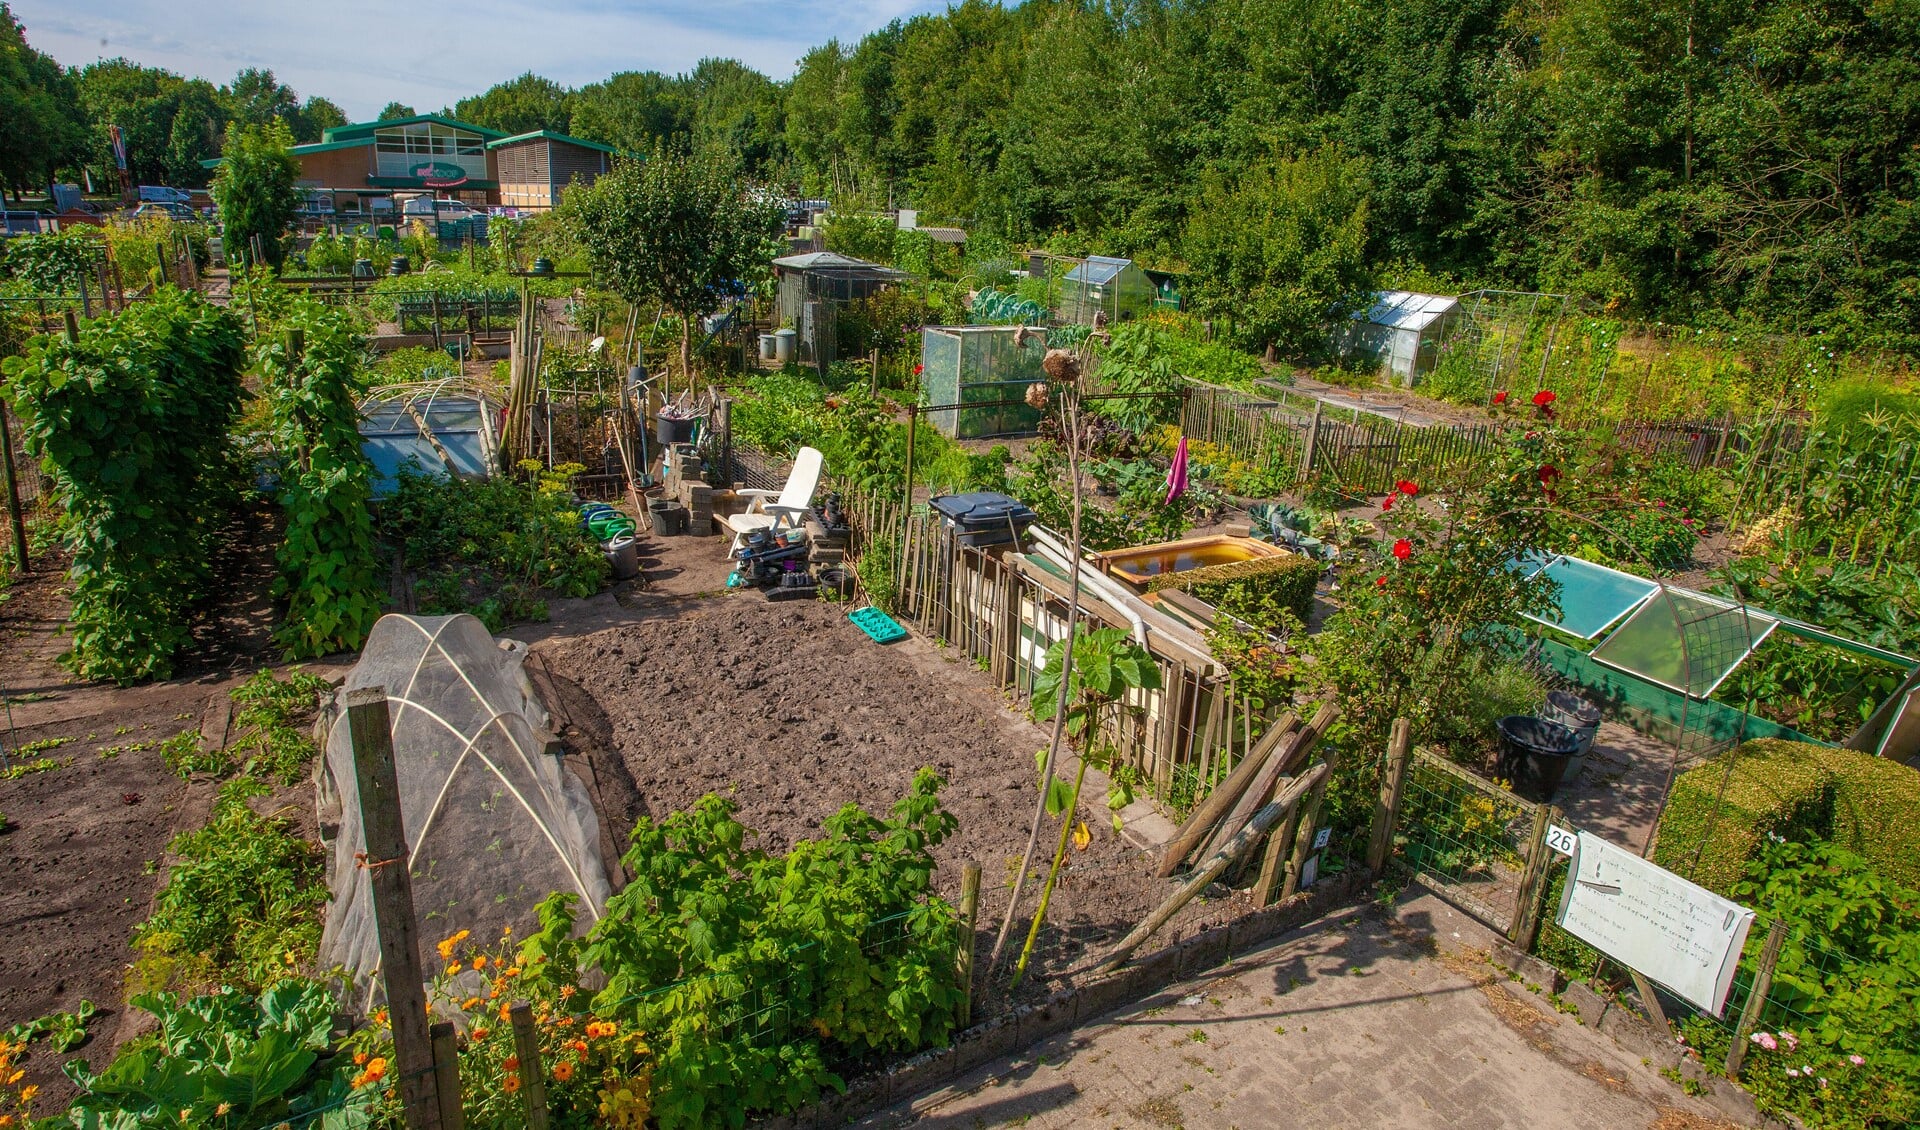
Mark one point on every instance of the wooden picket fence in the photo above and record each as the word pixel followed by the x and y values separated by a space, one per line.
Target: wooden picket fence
pixel 1174 742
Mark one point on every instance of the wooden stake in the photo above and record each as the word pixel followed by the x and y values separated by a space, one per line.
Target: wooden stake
pixel 533 1074
pixel 387 862
pixel 1757 999
pixel 1386 812
pixel 1263 820
pixel 1309 818
pixel 969 908
pixel 446 1077
pixel 1221 798
pixel 21 559
pixel 1647 998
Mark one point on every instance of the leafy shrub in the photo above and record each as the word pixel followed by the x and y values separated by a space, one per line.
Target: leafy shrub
pixel 1254 591
pixel 54 262
pixel 1795 792
pixel 492 547
pixel 229 1058
pixel 1838 1045
pixel 242 903
pixel 329 566
pixel 271 720
pixel 744 968
pixel 1135 363
pixel 131 420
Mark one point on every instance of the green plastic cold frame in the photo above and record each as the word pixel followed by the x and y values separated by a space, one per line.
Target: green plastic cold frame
pixel 1685 641
pixel 1592 597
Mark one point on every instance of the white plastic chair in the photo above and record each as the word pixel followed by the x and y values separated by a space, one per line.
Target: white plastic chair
pixel 788 510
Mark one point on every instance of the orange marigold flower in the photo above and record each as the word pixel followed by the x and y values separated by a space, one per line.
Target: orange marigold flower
pixel 579 1045
pixel 513 971
pixel 452 968
pixel 512 1063
pixel 480 1033
pixel 566 991
pixel 512 1084
pixel 470 1003
pixel 480 961
pixel 506 1012
pixel 360 1059
pixel 563 1071
pixel 446 944
pixel 28 1092
pixel 376 1069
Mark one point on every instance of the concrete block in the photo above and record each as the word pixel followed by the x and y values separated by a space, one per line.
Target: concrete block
pixel 1203 951
pixel 1110 993
pixel 700 527
pixel 1592 1005
pixel 1055 1014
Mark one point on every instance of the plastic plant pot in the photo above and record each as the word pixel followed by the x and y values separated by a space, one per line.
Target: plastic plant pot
pixel 1535 754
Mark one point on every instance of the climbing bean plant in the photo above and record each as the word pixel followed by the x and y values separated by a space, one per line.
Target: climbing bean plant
pixel 131 421
pixel 329 565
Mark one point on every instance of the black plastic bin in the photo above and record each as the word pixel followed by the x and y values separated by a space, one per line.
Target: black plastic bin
pixel 1534 754
pixel 669 430
pixel 983 518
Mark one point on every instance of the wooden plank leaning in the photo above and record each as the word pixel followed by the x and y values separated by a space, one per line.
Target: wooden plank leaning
pixel 1222 798
pixel 1212 869
pixel 1293 754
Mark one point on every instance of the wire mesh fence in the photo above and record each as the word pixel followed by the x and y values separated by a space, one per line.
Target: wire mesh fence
pixel 1466 837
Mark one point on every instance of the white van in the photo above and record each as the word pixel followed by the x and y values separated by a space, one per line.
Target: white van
pixel 425 207
pixel 161 194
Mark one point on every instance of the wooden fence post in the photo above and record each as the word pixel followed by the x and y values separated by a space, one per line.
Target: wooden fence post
pixel 1757 999
pixel 446 1077
pixel 1386 811
pixel 21 560
pixel 1313 442
pixel 1533 884
pixel 386 862
pixel 969 907
pixel 533 1074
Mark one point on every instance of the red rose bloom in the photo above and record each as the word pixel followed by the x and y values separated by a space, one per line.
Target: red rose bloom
pixel 1548 473
pixel 918 369
pixel 1403 549
pixel 1500 397
pixel 1380 582
pixel 1544 397
pixel 1407 488
pixel 1388 503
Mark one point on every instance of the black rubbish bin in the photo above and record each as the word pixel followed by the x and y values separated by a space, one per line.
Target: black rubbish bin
pixel 669 430
pixel 1534 754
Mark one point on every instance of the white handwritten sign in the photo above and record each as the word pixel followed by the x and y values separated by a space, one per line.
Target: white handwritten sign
pixel 1640 914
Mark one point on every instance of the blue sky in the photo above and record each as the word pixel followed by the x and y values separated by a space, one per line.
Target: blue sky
pixel 364 54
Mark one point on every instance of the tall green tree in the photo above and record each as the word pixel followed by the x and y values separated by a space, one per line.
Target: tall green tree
pixel 256 97
pixel 639 111
pixel 394 111
pixel 1281 250
pixel 40 121
pixel 519 105
pixel 169 124
pixel 255 191
pixel 681 231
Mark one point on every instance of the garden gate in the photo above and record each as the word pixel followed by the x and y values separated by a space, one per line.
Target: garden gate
pixel 1478 845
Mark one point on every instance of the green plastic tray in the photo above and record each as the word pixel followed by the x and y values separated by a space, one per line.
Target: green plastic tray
pixel 879 626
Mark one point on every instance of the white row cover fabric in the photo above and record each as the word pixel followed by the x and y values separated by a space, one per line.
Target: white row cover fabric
pixel 494 823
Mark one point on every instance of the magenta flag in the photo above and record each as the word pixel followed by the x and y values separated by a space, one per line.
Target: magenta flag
pixel 1177 474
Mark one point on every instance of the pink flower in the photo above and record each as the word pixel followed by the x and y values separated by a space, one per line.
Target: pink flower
pixel 1661 503
pixel 1765 1040
pixel 1686 521
pixel 1857 1060
pixel 1789 1039
pixel 1403 549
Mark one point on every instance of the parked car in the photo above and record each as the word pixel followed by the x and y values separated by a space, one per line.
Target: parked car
pixel 179 212
pixel 423 207
pixel 162 194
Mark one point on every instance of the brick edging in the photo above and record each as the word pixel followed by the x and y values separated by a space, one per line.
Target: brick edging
pixel 1089 995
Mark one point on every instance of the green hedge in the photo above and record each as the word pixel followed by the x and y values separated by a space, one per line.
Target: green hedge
pixel 1795 791
pixel 1247 588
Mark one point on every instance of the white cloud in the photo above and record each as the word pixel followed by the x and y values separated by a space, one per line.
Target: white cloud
pixel 364 54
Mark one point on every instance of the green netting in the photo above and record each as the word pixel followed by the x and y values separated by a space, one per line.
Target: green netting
pixel 1684 641
pixel 1592 597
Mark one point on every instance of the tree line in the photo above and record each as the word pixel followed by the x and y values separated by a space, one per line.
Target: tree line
pixel 1701 161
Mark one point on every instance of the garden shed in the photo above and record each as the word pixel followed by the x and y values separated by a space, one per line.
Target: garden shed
pixel 812 286
pixel 1117 288
pixel 981 365
pixel 1400 330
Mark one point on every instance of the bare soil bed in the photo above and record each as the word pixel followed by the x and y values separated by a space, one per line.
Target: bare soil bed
pixel 793 713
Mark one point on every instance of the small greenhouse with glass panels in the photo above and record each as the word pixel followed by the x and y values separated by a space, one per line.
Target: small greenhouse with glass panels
pixel 985 366
pixel 1099 285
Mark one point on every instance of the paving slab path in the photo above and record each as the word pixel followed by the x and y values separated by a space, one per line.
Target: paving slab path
pixel 1369 1018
